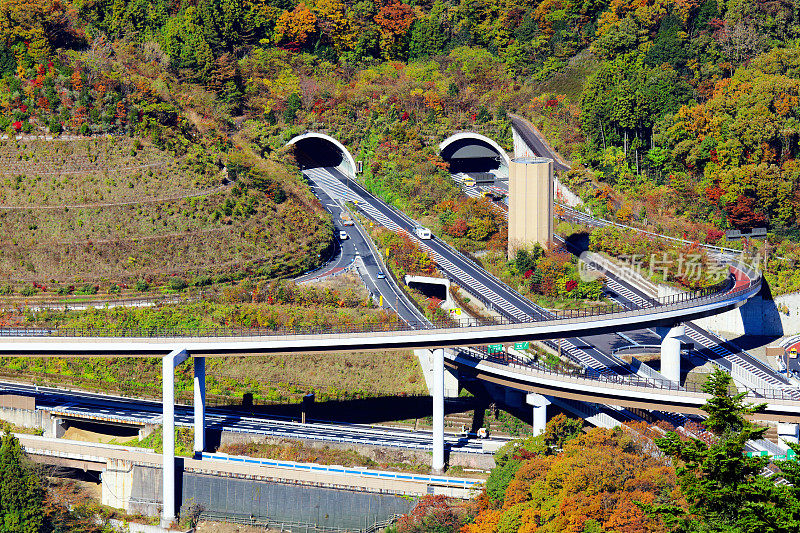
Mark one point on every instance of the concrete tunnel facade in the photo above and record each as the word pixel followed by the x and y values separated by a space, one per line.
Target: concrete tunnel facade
pixel 468 151
pixel 316 149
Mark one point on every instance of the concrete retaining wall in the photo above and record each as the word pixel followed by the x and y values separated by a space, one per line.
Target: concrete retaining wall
pixel 380 454
pixel 27 418
pixel 759 316
pixel 564 194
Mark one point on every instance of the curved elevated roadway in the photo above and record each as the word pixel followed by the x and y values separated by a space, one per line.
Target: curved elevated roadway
pixel 223 342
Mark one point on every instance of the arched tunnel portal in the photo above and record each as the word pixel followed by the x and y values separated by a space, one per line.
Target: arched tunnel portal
pixel 474 154
pixel 314 150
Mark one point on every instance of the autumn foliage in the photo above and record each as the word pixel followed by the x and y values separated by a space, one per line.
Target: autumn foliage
pixel 593 484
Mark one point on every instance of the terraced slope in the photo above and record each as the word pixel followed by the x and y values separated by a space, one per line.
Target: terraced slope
pixel 114 211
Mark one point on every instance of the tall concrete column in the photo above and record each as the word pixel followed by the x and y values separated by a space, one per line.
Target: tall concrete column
pixel 199 404
pixel 671 353
pixel 438 410
pixel 168 364
pixel 789 433
pixel 539 404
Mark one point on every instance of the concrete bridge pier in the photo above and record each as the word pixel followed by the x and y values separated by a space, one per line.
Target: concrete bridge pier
pixel 57 428
pixel 671 351
pixel 789 433
pixel 199 405
pixel 539 404
pixel 437 464
pixel 117 483
pixel 168 364
pixel 451 386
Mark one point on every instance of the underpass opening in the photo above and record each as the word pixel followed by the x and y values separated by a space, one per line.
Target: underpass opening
pixel 317 150
pixel 430 290
pixel 99 431
pixel 475 155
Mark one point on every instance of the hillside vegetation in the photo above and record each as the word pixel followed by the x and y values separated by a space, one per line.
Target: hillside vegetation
pixel 668 108
pixel 341 303
pixel 111 213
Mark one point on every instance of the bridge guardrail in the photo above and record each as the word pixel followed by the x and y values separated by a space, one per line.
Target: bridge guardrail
pixel 336 469
pixel 607 376
pixel 579 316
pixel 606 222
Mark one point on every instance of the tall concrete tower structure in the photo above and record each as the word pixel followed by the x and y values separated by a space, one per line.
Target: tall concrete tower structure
pixel 530 202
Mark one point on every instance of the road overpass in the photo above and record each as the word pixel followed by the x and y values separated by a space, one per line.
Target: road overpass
pixel 524 321
pixel 179 345
pixel 127 473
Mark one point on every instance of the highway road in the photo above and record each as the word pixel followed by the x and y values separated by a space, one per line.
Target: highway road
pixel 358 250
pixel 708 346
pixel 536 143
pixel 137 412
pixel 462 270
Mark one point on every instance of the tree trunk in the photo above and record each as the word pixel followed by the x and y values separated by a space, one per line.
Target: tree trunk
pixel 603 136
pixel 626 143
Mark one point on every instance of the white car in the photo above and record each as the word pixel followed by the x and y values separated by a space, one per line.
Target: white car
pixel 343 235
pixel 422 233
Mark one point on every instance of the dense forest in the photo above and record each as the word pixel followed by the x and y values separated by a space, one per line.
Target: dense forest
pixel 667 108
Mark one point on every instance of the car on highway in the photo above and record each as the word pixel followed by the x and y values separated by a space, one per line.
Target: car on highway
pixel 343 235
pixel 469 182
pixel 381 275
pixel 422 233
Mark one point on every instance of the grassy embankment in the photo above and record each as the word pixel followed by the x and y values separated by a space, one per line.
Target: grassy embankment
pixel 342 302
pixel 102 218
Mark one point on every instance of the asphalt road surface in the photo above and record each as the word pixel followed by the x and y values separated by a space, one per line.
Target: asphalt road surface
pixel 111 409
pixel 357 248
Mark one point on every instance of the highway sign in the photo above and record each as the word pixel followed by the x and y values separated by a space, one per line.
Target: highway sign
pixel 522 345
pixel 494 348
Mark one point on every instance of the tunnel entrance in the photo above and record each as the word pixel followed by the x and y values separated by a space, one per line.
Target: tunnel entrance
pixel 475 155
pixel 92 430
pixel 430 290
pixel 317 150
pixel 314 152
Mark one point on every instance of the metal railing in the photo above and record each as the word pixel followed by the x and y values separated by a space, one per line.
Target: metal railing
pixel 671 303
pixel 609 376
pixel 286 526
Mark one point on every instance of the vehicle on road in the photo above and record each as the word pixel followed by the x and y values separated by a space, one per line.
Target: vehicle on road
pixel 343 235
pixel 422 233
pixel 793 353
pixel 346 219
pixel 381 275
pixel 469 182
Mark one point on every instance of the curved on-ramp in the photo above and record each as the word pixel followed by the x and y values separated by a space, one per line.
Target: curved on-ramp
pixel 222 342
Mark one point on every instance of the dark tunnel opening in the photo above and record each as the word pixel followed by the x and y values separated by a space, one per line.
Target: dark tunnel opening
pixel 471 156
pixel 102 428
pixel 430 290
pixel 315 152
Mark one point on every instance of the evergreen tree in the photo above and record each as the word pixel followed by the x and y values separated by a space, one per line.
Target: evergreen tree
pixel 668 46
pixel 429 35
pixel 293 105
pixel 725 489
pixel 21 491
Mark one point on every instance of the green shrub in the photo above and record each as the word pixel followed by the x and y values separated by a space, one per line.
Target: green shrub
pixel 142 285
pixel 88 289
pixel 114 289
pixel 28 290
pixel 202 281
pixel 176 284
pixel 6 289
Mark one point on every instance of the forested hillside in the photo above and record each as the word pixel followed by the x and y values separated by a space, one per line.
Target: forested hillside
pixel 667 108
